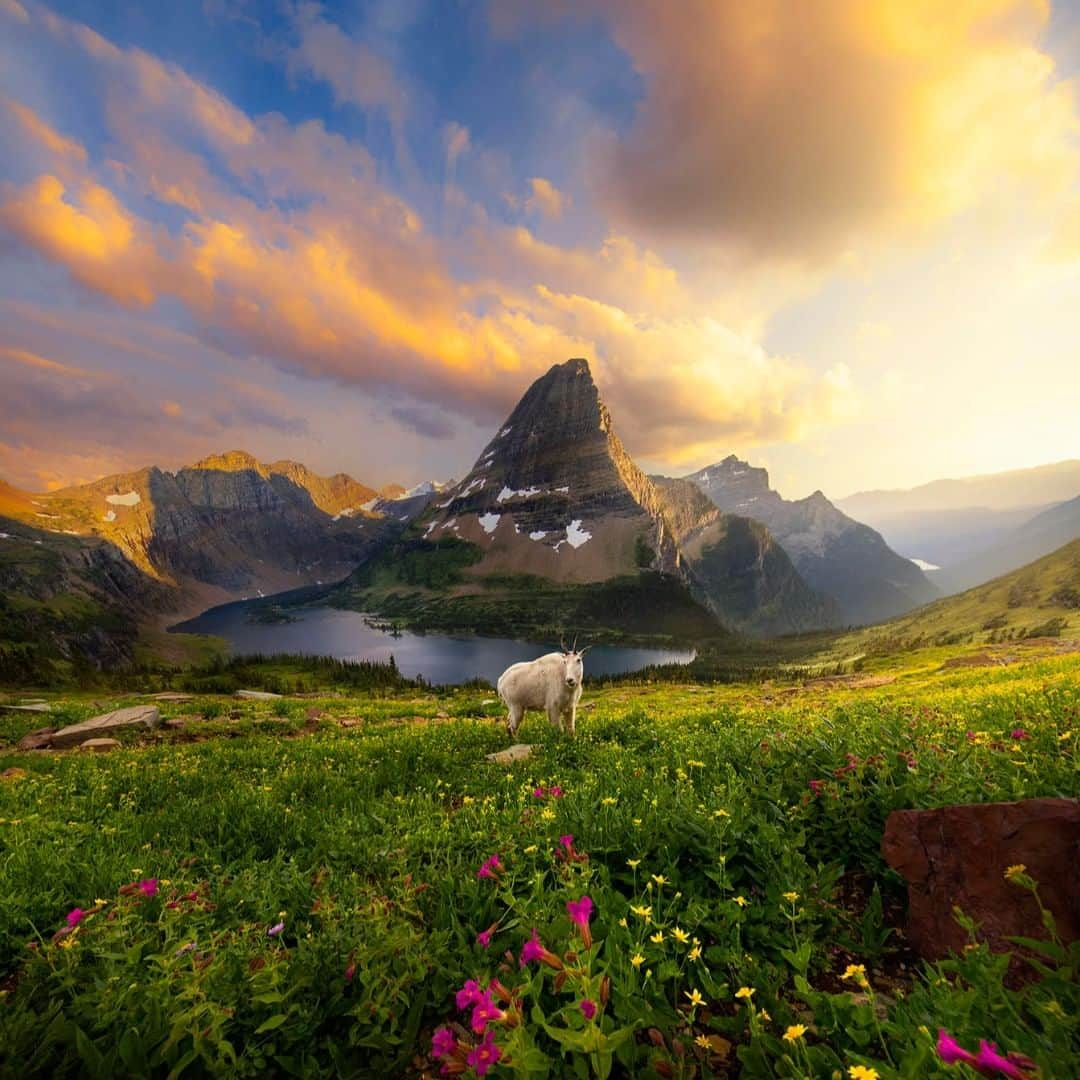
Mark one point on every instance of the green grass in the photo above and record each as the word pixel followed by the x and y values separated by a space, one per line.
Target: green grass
pixel 359 819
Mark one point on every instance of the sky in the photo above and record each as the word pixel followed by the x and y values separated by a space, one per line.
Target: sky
pixel 840 239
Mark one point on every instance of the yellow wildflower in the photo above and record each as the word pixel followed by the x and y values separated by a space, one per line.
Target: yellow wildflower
pixel 795 1031
pixel 636 821
pixel 468 800
pixel 623 922
pixel 696 764
pixel 633 863
pixel 680 935
pixel 695 998
pixel 791 897
pixel 608 801
pixel 657 937
pixel 1013 872
pixel 547 814
pixel 695 952
pixel 703 1042
pixel 637 960
pixel 861 1072
pixel 641 911
pixel 532 849
pixel 763 1014
pixel 740 900
pixel 659 879
pixel 719 813
pixel 856 972
pixel 745 992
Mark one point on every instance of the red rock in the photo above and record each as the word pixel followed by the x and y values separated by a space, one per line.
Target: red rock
pixel 37 740
pixel 956 856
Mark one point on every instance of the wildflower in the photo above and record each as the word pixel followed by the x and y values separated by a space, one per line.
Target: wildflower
pixel 532 849
pixel 703 1042
pixel 484 1055
pixel 817 787
pixel 745 992
pixel 547 814
pixel 641 911
pixel 680 935
pixel 856 972
pixel 484 1011
pixel 740 900
pixel 763 1014
pixel 695 952
pixel 608 801
pixel 1013 1065
pixel 148 887
pixel 555 792
pixel 695 998
pixel 695 764
pixel 490 867
pixel 75 916
pixel 275 929
pixel 538 792
pixel 443 1042
pixel 470 994
pixel 791 897
pixel 633 863
pixel 185 948
pixel 1019 733
pixel 1013 872
pixel 484 937
pixel 861 1072
pixel 794 1031
pixel 657 937
pixel 567 842
pixel 350 971
pixel 636 821
pixel 531 950
pixel 720 812
pixel 580 911
pixel 659 879
pixel 588 1008
pixel 637 960
pixel 950 1051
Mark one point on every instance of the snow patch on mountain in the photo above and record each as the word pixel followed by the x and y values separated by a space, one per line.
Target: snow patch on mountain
pixel 922 564
pixel 130 498
pixel 489 521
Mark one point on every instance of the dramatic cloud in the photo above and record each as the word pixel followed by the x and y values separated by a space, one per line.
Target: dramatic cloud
pixel 545 198
pixel 802 131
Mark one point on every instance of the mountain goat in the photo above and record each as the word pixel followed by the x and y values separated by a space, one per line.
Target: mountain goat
pixel 551 682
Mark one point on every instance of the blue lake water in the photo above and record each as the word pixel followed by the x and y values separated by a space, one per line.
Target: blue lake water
pixel 439 658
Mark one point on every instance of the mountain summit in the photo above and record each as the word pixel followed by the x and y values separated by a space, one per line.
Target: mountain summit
pixel 556 525
pixel 834 553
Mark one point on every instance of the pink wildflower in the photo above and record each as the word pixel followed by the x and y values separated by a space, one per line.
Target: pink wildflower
pixel 148 886
pixel 275 929
pixel 531 950
pixel 484 1012
pixel 950 1051
pixel 1015 1066
pixel 484 1055
pixel 556 792
pixel 580 911
pixel 817 786
pixel 350 971
pixel 484 937
pixel 443 1042
pixel 567 842
pixel 588 1008
pixel 1020 733
pixel 538 793
pixel 490 867
pixel 75 916
pixel 470 994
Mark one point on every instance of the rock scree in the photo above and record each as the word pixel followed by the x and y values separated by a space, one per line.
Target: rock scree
pixel 956 856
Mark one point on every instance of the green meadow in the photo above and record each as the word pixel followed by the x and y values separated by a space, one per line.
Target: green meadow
pixel 306 887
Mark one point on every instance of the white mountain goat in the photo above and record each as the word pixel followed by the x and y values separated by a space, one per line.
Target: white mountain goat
pixel 551 682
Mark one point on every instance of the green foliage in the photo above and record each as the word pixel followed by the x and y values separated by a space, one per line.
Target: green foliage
pixel 644 556
pixel 696 833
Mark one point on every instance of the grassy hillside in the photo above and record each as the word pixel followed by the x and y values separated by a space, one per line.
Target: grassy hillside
pixel 290 887
pixel 1038 600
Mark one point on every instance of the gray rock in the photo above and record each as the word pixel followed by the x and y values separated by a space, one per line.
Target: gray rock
pixel 517 752
pixel 170 695
pixel 257 695
pixel 117 720
pixel 99 746
pixel 37 706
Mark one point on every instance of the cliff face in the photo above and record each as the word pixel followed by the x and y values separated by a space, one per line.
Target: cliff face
pixel 835 554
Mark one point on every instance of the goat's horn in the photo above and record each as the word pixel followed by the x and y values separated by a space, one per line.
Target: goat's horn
pixel 574 648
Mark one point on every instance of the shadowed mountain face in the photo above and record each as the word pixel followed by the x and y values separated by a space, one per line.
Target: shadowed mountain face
pixel 555 500
pixel 225 527
pixel 833 553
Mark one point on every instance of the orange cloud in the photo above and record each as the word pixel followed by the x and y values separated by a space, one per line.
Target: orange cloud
pixel 43 363
pixel 41 132
pixel 94 236
pixel 545 198
pixel 804 132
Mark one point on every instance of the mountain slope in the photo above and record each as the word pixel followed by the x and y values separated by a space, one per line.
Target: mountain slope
pixel 555 512
pixel 1042 534
pixel 834 554
pixel 1038 600
pixel 737 568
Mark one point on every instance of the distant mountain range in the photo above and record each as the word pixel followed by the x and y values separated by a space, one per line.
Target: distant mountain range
pixel 554 527
pixel 971 529
pixel 835 554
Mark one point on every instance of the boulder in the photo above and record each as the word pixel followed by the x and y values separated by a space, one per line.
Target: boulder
pixel 146 715
pixel 517 752
pixel 99 746
pixel 257 695
pixel 169 695
pixel 37 706
pixel 37 740
pixel 958 855
pixel 14 773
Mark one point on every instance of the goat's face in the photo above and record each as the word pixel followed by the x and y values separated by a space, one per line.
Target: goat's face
pixel 573 669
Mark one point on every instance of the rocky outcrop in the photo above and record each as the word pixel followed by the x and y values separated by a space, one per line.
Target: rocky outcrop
pixel 957 856
pixel 833 553
pixel 147 716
